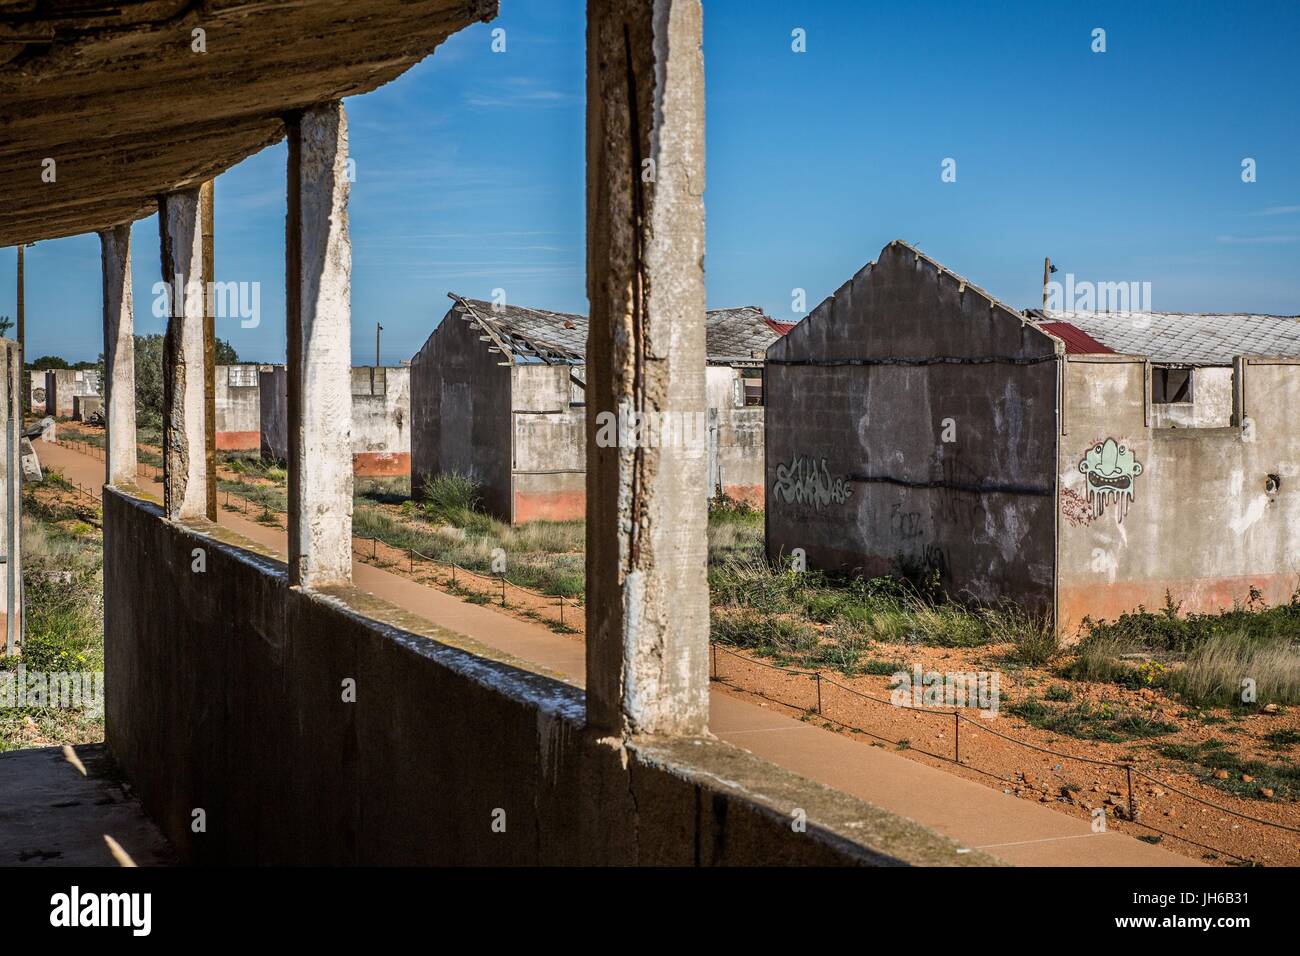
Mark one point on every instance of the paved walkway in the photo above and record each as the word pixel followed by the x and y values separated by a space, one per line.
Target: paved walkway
pixel 980 817
pixel 66 806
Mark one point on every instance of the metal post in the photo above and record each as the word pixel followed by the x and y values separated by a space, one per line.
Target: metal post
pixel 1129 772
pixel 956 736
pixel 819 691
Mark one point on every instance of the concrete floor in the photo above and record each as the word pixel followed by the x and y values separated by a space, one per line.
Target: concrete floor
pixel 66 806
pixel 979 817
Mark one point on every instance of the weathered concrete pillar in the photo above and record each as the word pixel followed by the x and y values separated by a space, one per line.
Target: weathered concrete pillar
pixel 185 477
pixel 207 203
pixel 647 589
pixel 119 356
pixel 318 285
pixel 12 381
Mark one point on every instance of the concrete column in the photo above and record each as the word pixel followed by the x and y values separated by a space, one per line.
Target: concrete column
pixel 185 476
pixel 647 589
pixel 207 197
pixel 12 378
pixel 119 356
pixel 318 285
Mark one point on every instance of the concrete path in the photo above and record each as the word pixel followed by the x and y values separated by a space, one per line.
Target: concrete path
pixel 1015 830
pixel 65 806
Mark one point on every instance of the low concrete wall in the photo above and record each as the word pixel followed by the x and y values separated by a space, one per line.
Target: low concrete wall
pixel 36 394
pixel 84 406
pixel 238 405
pixel 381 421
pixel 229 699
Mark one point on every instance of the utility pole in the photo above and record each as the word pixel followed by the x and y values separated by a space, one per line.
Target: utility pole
pixel 378 328
pixel 1047 272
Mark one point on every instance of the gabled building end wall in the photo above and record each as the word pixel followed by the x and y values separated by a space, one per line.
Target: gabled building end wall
pixel 460 410
pixel 911 427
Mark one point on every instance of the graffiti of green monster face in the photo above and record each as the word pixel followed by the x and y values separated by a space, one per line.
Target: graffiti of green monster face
pixel 1110 470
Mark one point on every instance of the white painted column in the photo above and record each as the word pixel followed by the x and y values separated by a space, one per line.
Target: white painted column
pixel 647 575
pixel 185 475
pixel 319 314
pixel 119 356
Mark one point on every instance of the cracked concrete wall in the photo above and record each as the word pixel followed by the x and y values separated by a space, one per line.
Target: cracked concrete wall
pixel 62 385
pixel 1201 524
pixel 319 291
pixel 237 401
pixel 647 607
pixel 119 356
pixel 230 698
pixel 549 473
pixel 861 396
pixel 381 420
pixel 185 477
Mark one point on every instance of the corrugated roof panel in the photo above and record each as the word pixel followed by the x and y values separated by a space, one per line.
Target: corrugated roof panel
pixel 741 334
pixel 1185 338
pixel 1077 341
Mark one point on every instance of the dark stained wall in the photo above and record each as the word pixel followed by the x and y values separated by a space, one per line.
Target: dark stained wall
pixel 460 412
pixel 860 398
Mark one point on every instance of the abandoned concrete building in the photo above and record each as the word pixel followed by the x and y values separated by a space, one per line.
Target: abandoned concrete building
pixel 498 394
pixel 1080 464
pixel 381 418
pixel 238 407
pixel 223 687
pixel 64 385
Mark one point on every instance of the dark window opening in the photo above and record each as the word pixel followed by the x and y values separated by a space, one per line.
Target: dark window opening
pixel 1171 386
pixel 753 383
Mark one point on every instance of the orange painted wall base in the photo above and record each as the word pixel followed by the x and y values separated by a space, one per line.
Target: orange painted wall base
pixel 749 494
pixel 381 464
pixel 1104 601
pixel 239 441
pixel 551 506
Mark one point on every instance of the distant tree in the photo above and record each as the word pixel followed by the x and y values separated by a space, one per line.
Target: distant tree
pixel 6 324
pixel 226 354
pixel 49 361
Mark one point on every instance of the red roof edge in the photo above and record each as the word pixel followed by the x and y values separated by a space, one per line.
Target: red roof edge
pixel 1077 341
pixel 780 328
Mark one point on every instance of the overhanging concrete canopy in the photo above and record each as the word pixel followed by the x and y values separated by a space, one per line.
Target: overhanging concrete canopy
pixel 114 92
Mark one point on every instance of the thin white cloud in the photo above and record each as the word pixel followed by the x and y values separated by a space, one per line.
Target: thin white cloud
pixel 1256 240
pixel 1278 211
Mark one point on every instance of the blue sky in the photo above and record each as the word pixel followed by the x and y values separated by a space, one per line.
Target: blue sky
pixel 1122 166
